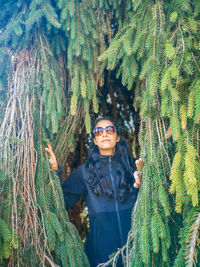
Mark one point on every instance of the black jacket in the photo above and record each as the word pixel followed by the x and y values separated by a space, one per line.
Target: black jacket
pixel 110 218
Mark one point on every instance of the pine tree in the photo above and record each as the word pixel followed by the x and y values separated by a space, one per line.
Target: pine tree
pixel 34 227
pixel 53 58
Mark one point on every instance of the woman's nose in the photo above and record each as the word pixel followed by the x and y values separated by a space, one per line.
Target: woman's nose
pixel 104 132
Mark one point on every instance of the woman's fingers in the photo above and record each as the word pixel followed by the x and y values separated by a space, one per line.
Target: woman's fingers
pixel 137 176
pixel 139 163
pixel 49 150
pixel 52 160
pixel 136 185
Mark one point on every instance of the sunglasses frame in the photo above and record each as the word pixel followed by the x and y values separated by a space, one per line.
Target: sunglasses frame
pixel 98 131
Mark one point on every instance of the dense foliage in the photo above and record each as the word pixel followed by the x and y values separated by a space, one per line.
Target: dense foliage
pixel 55 57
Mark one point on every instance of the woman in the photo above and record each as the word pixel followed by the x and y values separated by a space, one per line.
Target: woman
pixel 106 183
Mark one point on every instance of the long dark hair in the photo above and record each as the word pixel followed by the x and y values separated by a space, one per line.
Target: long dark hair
pixel 98 180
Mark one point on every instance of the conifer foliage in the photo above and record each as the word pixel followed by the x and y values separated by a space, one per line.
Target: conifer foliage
pixel 53 57
pixel 35 224
pixel 158 49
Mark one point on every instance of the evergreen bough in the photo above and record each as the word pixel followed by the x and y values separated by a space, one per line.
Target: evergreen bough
pixel 48 85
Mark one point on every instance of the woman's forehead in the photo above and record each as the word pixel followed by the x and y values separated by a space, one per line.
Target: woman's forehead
pixel 103 123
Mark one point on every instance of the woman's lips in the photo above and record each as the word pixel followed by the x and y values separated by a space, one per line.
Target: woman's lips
pixel 106 140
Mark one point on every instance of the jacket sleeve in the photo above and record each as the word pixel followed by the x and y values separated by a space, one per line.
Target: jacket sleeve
pixel 73 188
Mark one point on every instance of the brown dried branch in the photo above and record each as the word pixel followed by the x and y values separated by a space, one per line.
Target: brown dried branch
pixel 195 229
pixel 18 157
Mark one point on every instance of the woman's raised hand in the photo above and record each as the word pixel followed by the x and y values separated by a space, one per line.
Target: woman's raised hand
pixel 137 174
pixel 52 160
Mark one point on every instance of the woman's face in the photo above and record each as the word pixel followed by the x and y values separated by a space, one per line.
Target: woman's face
pixel 106 142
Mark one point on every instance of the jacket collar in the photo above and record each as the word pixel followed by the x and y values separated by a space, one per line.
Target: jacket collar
pixel 110 158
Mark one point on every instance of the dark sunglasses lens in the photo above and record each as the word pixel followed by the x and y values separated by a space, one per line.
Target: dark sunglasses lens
pixel 98 131
pixel 110 130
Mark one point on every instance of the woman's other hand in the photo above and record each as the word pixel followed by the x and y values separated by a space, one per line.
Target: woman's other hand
pixel 137 174
pixel 52 160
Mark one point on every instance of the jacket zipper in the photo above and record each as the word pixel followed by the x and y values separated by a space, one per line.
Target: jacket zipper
pixel 116 204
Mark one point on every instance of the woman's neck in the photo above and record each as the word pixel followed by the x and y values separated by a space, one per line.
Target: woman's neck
pixel 107 152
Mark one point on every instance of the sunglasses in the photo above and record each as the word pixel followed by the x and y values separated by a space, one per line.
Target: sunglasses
pixel 98 131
